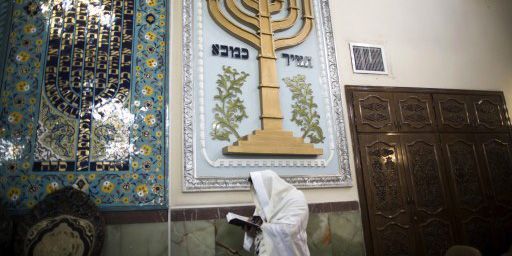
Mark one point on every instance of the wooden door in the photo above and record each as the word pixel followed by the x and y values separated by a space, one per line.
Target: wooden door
pixel 374 112
pixel 453 112
pixel 432 215
pixel 497 160
pixel 414 112
pixel 468 190
pixel 385 187
pixel 489 113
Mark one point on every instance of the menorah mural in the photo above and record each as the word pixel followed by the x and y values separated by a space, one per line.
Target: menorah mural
pixel 271 139
pixel 83 102
pixel 88 66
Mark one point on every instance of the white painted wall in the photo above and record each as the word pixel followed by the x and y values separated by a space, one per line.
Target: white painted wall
pixel 462 44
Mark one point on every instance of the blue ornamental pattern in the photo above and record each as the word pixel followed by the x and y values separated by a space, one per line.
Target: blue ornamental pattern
pixel 83 102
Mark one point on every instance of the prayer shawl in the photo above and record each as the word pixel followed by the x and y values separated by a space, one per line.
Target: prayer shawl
pixel 284 211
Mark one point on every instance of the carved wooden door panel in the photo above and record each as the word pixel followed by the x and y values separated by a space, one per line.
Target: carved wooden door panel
pixel 432 215
pixel 453 112
pixel 497 160
pixel 386 193
pixel 468 189
pixel 415 112
pixel 374 112
pixel 489 113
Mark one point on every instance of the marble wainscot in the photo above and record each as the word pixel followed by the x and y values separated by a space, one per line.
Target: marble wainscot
pixel 140 239
pixel 333 229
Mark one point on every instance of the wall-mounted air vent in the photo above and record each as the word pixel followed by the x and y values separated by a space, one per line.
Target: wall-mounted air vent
pixel 368 59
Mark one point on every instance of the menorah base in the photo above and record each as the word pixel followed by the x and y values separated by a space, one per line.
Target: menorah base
pixel 265 142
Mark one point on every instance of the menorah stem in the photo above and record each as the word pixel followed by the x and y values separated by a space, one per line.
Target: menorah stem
pixel 271 116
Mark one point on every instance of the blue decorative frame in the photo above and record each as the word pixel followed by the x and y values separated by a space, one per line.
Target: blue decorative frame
pixel 139 187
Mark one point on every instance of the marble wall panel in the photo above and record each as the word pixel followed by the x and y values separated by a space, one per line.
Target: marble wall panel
pixel 347 233
pixel 333 233
pixel 319 234
pixel 149 239
pixel 193 238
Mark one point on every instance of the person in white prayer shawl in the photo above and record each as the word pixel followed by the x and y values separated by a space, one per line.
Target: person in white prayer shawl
pixel 283 215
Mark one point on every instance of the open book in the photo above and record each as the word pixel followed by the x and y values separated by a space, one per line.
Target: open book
pixel 240 220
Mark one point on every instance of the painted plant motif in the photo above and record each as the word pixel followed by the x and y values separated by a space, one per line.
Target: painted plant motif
pixel 58 132
pixel 229 108
pixel 304 112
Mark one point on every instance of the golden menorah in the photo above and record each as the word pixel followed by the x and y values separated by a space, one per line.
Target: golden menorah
pixel 271 139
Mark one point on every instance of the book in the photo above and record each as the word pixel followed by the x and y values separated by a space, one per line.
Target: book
pixel 239 220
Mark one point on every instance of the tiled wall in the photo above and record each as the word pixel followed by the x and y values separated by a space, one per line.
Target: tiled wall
pixel 83 101
pixel 329 233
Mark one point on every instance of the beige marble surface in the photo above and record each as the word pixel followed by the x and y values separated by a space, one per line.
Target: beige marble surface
pixel 193 238
pixel 149 239
pixel 347 233
pixel 328 234
pixel 319 234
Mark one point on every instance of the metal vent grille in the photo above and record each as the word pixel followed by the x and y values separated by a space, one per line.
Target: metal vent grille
pixel 368 59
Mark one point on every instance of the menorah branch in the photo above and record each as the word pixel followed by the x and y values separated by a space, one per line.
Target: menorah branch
pixel 298 38
pixel 251 5
pixel 307 26
pixel 242 17
pixel 276 6
pixel 230 27
pixel 289 21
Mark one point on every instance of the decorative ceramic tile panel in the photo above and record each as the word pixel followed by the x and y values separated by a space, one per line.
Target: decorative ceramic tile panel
pixel 83 102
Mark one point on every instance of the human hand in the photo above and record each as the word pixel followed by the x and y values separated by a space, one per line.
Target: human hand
pixel 251 230
pixel 257 220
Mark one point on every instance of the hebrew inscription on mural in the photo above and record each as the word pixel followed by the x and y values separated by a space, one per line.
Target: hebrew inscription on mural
pixel 88 68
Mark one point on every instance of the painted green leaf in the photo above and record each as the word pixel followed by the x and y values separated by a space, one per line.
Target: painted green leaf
pixel 304 109
pixel 229 110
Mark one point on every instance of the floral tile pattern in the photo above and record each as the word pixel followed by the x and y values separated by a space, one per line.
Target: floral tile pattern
pixel 83 101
